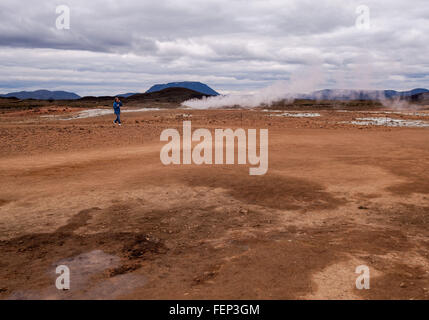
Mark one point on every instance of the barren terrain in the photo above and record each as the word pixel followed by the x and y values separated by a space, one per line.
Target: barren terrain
pixel 96 197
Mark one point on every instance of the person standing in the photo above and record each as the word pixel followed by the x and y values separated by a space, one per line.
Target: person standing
pixel 117 109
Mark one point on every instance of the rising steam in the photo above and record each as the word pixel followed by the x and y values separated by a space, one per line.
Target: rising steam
pixel 302 85
pixel 305 80
pixel 276 92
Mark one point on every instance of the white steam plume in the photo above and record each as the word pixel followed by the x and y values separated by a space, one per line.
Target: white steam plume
pixel 303 81
pixel 267 95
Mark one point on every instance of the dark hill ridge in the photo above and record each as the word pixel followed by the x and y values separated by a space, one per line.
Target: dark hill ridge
pixel 192 85
pixel 340 94
pixel 173 95
pixel 422 97
pixel 404 94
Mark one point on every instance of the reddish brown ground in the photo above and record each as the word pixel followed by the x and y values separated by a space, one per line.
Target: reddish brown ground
pixel 96 197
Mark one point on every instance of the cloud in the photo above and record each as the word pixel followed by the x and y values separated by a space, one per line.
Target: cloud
pixel 233 45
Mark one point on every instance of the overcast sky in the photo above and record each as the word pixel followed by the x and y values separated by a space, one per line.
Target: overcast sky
pixel 232 45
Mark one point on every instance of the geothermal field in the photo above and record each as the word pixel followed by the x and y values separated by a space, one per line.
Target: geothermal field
pixel 347 185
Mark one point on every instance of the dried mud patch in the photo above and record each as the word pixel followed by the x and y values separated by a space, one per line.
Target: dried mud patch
pixel 180 250
pixel 375 246
pixel 4 202
pixel 26 259
pixel 283 265
pixel 270 190
pixel 413 171
pixel 183 224
pixel 398 281
pixel 212 245
pixel 402 215
pixel 418 185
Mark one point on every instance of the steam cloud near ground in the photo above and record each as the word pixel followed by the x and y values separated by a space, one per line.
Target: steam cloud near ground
pixel 267 95
pixel 283 90
pixel 303 81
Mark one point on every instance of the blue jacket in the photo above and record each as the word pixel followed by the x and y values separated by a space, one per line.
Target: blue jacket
pixel 117 106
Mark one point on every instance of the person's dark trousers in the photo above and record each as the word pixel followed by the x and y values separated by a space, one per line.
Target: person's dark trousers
pixel 118 117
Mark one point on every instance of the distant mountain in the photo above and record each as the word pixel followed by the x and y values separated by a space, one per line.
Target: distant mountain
pixel 195 86
pixel 420 97
pixel 343 94
pixel 403 94
pixel 340 94
pixel 42 95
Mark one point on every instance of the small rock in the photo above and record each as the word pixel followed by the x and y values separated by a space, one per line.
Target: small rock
pixel 403 285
